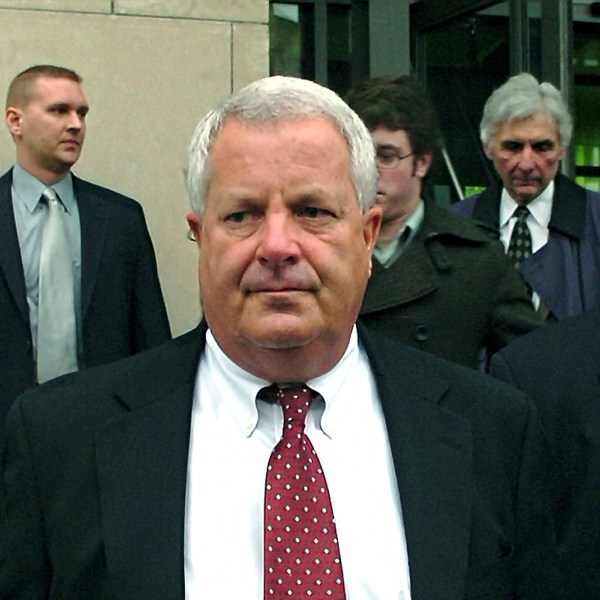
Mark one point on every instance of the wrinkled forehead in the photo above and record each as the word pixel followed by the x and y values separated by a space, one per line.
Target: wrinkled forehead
pixel 536 128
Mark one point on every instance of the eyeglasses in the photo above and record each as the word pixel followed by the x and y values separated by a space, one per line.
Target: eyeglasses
pixel 390 160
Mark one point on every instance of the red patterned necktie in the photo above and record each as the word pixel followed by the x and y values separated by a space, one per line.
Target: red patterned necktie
pixel 302 558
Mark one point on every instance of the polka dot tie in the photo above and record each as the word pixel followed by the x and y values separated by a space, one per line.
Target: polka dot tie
pixel 302 558
pixel 519 247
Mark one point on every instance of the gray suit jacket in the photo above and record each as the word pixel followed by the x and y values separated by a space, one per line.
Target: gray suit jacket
pixel 96 464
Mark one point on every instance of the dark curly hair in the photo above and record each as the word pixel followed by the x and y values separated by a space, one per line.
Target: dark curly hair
pixel 398 102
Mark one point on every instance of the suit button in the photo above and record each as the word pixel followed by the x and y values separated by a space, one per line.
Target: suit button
pixel 421 333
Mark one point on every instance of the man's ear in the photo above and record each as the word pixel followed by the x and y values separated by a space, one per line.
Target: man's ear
pixel 373 217
pixel 13 120
pixel 489 151
pixel 195 225
pixel 423 164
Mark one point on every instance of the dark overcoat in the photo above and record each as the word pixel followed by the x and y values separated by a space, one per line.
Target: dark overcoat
pixel 96 469
pixel 566 271
pixel 122 306
pixel 452 292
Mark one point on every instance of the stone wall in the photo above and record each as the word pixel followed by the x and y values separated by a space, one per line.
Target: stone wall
pixel 151 69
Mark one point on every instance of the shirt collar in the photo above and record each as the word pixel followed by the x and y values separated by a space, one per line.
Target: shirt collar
pixel 28 189
pixel 386 255
pixel 333 385
pixel 540 207
pixel 414 221
pixel 243 386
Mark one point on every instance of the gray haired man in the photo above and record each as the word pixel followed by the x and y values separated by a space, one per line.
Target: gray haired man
pixel 163 477
pixel 550 226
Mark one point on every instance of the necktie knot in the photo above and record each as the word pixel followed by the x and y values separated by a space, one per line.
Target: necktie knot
pixel 295 402
pixel 521 213
pixel 54 203
pixel 50 196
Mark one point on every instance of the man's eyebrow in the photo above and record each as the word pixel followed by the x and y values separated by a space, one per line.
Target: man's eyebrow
pixel 533 143
pixel 386 147
pixel 62 104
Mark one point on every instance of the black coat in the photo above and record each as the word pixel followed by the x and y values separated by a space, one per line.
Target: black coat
pixel 122 304
pixel 451 293
pixel 559 367
pixel 565 272
pixel 96 472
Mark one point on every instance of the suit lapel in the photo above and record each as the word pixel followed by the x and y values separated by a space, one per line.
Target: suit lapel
pixel 431 447
pixel 568 207
pixel 141 461
pixel 142 471
pixel 549 265
pixel 94 218
pixel 432 456
pixel 11 265
pixel 142 466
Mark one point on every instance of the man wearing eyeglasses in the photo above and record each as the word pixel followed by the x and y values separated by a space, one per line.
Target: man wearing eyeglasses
pixel 440 283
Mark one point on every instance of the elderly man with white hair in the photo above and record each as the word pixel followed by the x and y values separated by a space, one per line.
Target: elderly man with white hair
pixel 550 226
pixel 280 450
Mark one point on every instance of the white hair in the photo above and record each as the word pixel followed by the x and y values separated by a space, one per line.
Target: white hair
pixel 276 99
pixel 522 96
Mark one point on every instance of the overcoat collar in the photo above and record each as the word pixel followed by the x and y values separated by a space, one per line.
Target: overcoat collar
pixel 416 272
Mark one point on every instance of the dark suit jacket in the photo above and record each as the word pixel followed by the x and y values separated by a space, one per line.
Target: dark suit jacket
pixel 452 292
pixel 566 271
pixel 560 369
pixel 122 305
pixel 96 463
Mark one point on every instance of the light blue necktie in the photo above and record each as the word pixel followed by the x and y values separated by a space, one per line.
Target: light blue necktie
pixel 56 335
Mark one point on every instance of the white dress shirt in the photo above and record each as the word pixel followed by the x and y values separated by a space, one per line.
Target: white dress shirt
pixel 232 436
pixel 540 211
